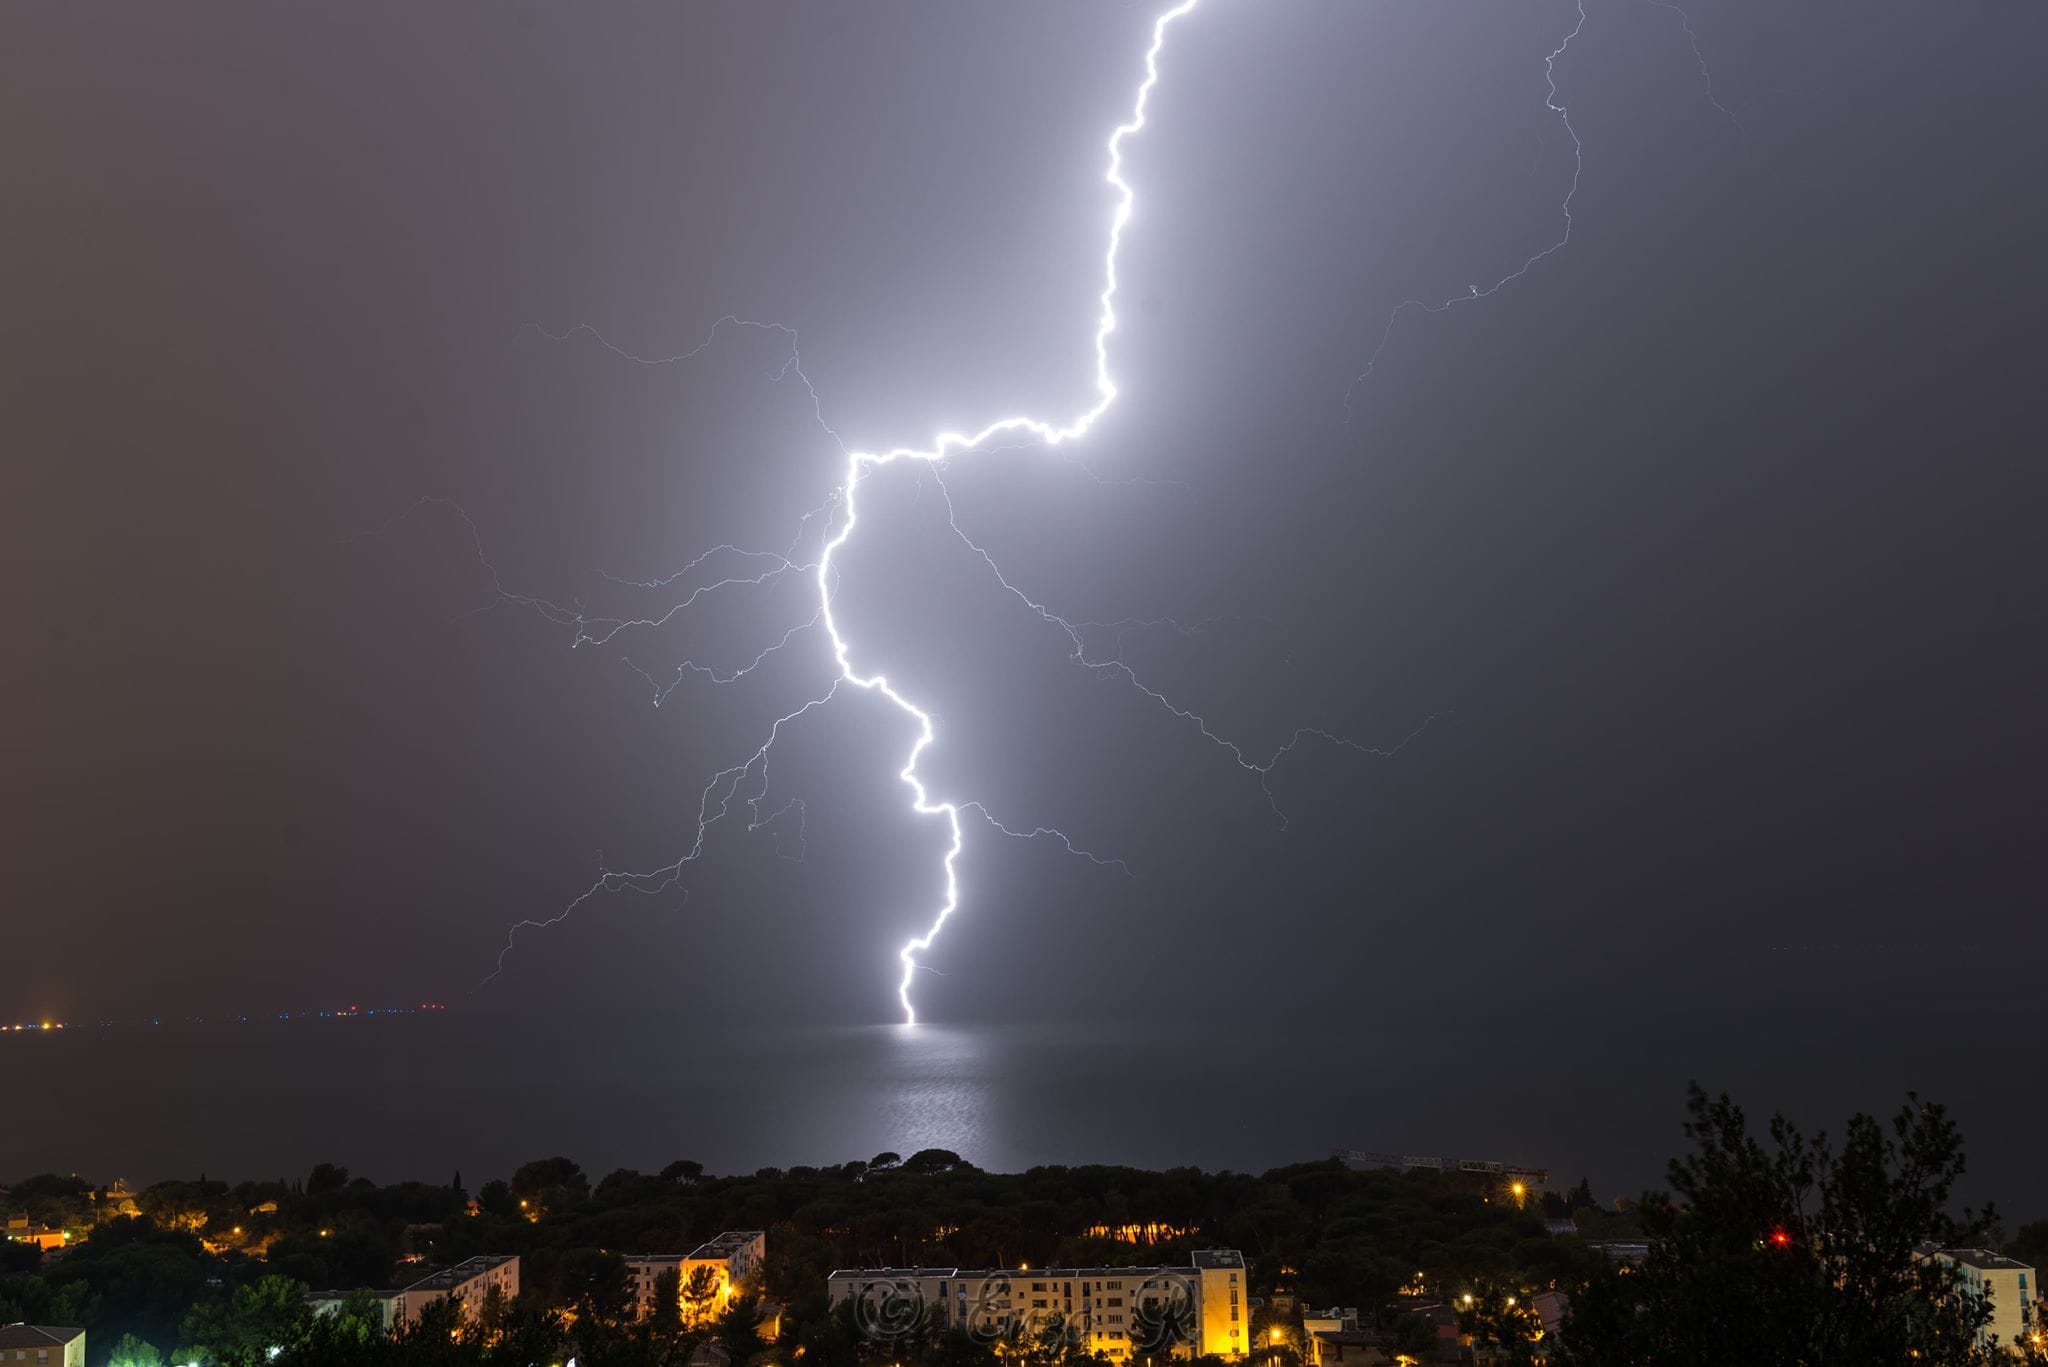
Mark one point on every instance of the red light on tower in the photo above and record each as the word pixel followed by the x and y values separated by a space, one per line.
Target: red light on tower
pixel 1780 1238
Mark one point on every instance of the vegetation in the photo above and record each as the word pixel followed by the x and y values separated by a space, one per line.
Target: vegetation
pixel 1793 1252
pixel 217 1275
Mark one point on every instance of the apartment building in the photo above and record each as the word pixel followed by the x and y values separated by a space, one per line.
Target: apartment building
pixel 732 1258
pixel 1200 1307
pixel 470 1282
pixel 41 1345
pixel 643 1275
pixel 2008 1284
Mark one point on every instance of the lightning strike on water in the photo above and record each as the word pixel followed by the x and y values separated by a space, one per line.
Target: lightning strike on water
pixel 859 463
pixel 746 783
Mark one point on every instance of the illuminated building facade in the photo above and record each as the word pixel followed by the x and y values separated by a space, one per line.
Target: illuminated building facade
pixel 731 1259
pixel 470 1283
pixel 735 1256
pixel 2007 1283
pixel 643 1275
pixel 43 1345
pixel 21 1231
pixel 1199 1308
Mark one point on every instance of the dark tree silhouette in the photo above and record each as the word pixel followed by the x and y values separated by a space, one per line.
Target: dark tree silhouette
pixel 1792 1253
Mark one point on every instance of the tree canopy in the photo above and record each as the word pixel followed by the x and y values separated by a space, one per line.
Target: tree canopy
pixel 1793 1251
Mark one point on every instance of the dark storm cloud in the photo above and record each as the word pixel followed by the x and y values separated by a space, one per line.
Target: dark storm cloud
pixel 1714 535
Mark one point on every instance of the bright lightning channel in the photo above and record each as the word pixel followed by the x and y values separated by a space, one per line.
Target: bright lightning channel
pixel 745 784
pixel 860 463
pixel 760 568
pixel 723 791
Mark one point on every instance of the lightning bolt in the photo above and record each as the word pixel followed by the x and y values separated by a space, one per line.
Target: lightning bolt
pixel 718 796
pixel 861 463
pixel 745 785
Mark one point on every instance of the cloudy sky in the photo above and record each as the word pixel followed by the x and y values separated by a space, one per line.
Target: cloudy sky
pixel 1708 550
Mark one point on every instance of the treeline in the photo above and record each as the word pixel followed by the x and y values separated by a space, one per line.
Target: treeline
pixel 1776 1249
pixel 1318 1230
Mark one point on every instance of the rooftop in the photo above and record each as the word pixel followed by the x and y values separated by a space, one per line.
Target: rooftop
pixel 1208 1258
pixel 1348 1338
pixel 727 1244
pixel 37 1335
pixel 448 1278
pixel 1984 1260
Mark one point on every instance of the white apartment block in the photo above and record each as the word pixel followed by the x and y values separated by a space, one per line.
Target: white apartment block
pixel 2008 1284
pixel 469 1283
pixel 735 1256
pixel 1121 1312
pixel 643 1275
pixel 732 1258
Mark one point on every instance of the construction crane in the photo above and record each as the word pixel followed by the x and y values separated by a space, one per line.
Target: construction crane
pixel 1526 1176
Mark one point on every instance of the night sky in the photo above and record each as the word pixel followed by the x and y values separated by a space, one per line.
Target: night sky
pixel 1709 550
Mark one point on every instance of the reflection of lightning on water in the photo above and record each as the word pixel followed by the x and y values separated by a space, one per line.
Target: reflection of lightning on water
pixel 744 786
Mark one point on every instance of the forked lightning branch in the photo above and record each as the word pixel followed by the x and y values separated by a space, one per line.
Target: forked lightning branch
pixel 743 786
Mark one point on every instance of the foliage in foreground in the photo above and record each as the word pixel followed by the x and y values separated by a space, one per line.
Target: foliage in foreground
pixel 1793 1252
